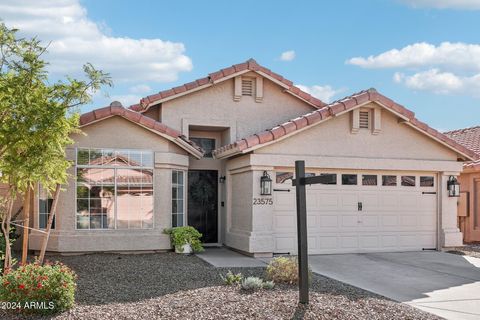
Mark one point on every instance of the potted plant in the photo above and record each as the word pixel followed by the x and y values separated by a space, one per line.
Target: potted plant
pixel 185 239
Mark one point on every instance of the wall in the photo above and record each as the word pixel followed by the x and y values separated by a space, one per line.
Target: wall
pixel 117 133
pixel 215 105
pixel 466 180
pixel 334 138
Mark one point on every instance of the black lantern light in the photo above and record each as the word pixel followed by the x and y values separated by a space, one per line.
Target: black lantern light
pixel 265 185
pixel 453 187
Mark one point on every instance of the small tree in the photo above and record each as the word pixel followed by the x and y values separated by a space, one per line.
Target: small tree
pixel 36 121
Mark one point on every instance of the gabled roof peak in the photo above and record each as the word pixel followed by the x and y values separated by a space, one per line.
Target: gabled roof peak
pixel 224 74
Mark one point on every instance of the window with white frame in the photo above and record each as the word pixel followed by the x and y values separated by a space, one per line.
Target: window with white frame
pixel 178 198
pixel 114 189
pixel 44 206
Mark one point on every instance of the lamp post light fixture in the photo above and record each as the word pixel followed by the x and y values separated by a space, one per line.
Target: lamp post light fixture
pixel 265 184
pixel 453 187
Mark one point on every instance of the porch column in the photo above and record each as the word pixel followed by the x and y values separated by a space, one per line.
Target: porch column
pixel 450 235
pixel 261 238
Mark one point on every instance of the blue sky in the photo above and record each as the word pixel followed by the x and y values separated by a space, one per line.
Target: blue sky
pixel 189 39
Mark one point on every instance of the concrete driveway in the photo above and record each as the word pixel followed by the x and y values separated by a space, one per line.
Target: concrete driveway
pixel 445 284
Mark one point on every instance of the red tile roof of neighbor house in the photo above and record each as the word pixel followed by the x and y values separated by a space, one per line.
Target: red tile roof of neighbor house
pixel 333 109
pixel 223 74
pixel 116 109
pixel 469 138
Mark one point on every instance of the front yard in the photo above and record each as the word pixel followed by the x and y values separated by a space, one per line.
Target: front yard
pixel 171 286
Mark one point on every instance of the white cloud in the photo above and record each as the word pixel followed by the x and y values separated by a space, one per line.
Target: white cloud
pixel 75 39
pixel 453 55
pixel 449 68
pixel 127 99
pixel 324 93
pixel 287 55
pixel 140 88
pixel 440 82
pixel 444 4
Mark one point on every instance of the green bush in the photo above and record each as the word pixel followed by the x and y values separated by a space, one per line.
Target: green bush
pixel 231 279
pixel 185 235
pixel 268 285
pixel 252 284
pixel 33 288
pixel 284 270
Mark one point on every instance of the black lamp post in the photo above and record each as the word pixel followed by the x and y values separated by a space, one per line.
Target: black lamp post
pixel 453 187
pixel 265 185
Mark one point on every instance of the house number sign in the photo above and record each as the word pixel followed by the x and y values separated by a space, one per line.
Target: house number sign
pixel 262 201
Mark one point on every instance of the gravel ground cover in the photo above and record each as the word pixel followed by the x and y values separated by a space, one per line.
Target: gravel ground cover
pixel 171 286
pixel 472 250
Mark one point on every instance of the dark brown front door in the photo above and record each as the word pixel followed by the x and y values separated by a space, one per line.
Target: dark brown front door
pixel 203 203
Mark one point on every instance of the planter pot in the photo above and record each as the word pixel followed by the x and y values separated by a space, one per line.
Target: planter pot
pixel 185 249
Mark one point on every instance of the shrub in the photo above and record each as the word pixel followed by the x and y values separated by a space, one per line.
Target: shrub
pixel 33 288
pixel 268 285
pixel 252 284
pixel 284 270
pixel 185 235
pixel 231 278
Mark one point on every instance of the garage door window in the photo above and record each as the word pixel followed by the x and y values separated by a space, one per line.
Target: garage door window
pixel 328 178
pixel 426 181
pixel 389 181
pixel 349 179
pixel 369 180
pixel 408 181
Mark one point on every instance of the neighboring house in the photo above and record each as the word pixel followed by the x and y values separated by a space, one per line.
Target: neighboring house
pixel 140 170
pixel 469 204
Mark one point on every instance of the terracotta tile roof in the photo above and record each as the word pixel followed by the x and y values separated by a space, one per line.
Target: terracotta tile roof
pixel 116 109
pixel 328 111
pixel 249 65
pixel 469 138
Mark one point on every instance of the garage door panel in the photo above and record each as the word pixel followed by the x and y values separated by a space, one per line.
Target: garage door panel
pixel 368 221
pixel 328 221
pixel 389 220
pixel 369 241
pixel 407 200
pixel 327 200
pixel 349 221
pixel 349 201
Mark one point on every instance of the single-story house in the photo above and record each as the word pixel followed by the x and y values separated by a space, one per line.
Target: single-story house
pixel 469 202
pixel 196 154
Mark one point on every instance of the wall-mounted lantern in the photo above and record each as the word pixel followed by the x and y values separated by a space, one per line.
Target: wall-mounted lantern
pixel 221 179
pixel 453 187
pixel 265 185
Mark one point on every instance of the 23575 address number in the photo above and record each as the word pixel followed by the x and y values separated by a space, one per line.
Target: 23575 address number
pixel 262 201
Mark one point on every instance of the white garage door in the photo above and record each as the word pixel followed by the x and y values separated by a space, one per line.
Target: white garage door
pixel 359 212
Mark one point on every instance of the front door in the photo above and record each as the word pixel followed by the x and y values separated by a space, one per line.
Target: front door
pixel 203 203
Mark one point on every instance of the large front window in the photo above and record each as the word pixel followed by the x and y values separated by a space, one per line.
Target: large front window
pixel 114 189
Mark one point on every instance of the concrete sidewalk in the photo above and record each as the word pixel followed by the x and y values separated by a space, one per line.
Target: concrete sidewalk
pixel 222 257
pixel 444 284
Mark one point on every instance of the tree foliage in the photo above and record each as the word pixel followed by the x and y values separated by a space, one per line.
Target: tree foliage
pixel 36 117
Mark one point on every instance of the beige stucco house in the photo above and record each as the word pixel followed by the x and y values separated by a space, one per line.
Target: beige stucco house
pixel 195 155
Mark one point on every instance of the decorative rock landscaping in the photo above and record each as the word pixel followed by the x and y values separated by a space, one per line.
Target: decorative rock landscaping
pixel 171 286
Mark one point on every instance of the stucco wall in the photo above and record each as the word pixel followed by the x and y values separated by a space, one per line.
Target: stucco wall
pixel 215 105
pixel 334 138
pixel 121 134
